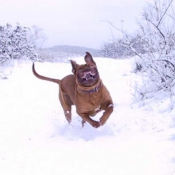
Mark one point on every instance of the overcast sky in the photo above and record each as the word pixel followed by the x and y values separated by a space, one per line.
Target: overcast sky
pixel 73 22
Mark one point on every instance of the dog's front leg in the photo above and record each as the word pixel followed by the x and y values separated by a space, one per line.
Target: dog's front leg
pixel 106 114
pixel 92 122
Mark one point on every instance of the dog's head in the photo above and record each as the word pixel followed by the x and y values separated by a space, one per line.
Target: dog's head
pixel 87 74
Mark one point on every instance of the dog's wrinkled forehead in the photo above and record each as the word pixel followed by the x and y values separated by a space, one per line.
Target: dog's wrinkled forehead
pixel 82 66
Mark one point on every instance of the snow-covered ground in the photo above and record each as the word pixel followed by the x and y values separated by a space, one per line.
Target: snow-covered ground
pixel 35 138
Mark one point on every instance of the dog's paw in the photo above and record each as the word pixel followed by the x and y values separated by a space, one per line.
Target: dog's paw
pixel 96 124
pixel 68 119
pixel 83 122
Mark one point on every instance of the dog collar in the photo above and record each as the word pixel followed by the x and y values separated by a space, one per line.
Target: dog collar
pixel 92 89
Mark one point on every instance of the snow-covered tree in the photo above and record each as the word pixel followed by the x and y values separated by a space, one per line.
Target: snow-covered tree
pixel 18 41
pixel 157 36
pixel 154 43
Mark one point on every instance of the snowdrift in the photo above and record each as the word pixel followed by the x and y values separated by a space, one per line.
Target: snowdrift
pixel 35 137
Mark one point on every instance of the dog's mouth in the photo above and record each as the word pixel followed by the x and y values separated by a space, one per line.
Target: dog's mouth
pixel 88 77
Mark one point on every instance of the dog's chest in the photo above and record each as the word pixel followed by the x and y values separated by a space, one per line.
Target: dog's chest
pixel 89 103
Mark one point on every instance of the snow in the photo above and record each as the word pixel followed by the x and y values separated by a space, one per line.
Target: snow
pixel 35 138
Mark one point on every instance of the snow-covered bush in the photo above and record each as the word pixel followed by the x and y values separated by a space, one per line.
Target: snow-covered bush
pixel 154 44
pixel 157 36
pixel 114 49
pixel 18 41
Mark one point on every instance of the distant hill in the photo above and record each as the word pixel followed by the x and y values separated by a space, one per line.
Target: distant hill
pixel 62 52
pixel 75 50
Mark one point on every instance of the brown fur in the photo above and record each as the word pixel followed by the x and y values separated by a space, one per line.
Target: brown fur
pixel 88 94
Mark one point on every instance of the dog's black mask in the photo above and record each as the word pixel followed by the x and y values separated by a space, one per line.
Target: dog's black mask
pixel 87 74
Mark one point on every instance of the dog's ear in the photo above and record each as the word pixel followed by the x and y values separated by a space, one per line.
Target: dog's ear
pixel 89 60
pixel 74 65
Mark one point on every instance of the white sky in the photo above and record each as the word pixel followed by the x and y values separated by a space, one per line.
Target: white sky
pixel 72 22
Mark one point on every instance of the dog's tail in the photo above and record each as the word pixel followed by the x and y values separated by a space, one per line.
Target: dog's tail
pixel 42 77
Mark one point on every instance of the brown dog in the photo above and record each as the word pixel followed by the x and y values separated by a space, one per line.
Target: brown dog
pixel 85 90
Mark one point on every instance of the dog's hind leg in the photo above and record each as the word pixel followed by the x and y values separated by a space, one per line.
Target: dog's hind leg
pixel 66 104
pixel 68 116
pixel 67 111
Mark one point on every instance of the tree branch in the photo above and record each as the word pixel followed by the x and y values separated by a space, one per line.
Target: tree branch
pixel 164 13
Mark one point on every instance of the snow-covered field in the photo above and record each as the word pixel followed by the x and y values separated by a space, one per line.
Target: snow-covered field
pixel 35 138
